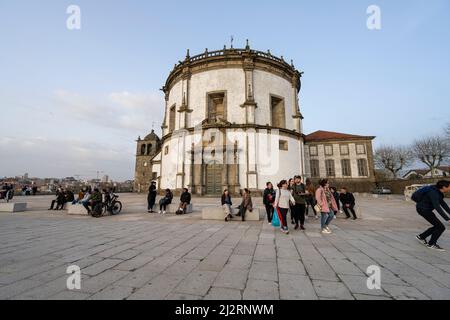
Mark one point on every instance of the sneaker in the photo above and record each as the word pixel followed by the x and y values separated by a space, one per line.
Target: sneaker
pixel 328 228
pixel 422 241
pixel 436 247
pixel 270 222
pixel 302 227
pixel 317 217
pixel 164 212
pixel 325 231
pixel 296 227
pixel 160 212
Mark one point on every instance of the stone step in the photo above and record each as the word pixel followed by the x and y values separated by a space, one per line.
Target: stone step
pixel 76 209
pixel 13 207
pixel 217 213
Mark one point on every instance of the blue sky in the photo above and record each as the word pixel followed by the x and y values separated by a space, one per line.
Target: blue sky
pixel 73 102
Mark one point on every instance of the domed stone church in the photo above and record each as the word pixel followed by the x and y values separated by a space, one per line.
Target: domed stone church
pixel 233 120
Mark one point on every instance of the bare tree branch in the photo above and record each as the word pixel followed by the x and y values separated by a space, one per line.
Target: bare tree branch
pixel 432 151
pixel 392 158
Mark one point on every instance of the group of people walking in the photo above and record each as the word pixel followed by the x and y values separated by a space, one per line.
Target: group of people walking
pixel 297 197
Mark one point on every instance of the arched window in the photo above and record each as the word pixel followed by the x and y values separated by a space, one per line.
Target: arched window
pixel 149 149
pixel 143 150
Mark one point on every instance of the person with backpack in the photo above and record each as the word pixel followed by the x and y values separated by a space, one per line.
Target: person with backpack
pixel 283 201
pixel 348 203
pixel 298 209
pixel 427 199
pixel 268 200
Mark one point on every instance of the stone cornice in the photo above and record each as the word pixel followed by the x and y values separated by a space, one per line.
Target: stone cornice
pixel 246 59
pixel 205 126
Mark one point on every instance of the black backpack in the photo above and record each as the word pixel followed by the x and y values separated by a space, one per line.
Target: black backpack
pixel 418 195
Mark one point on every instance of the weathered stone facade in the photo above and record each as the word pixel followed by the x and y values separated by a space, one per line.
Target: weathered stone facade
pixel 146 154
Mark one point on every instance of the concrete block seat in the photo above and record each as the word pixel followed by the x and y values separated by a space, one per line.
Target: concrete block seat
pixel 217 213
pixel 13 207
pixel 173 207
pixel 76 209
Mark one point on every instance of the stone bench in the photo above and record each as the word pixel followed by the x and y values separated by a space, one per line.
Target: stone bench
pixel 76 209
pixel 173 207
pixel 217 213
pixel 13 207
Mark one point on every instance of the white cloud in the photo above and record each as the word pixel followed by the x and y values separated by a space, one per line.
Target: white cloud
pixel 60 158
pixel 132 112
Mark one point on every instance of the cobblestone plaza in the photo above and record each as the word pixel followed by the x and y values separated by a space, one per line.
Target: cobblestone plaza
pixel 147 256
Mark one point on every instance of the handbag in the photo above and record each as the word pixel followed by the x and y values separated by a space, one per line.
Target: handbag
pixel 275 217
pixel 317 208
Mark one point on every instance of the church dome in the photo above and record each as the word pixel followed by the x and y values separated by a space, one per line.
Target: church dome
pixel 152 136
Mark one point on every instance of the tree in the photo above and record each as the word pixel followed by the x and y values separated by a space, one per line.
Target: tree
pixel 432 151
pixel 392 158
pixel 447 130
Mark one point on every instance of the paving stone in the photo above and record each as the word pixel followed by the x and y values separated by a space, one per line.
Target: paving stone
pixel 264 270
pixel 238 261
pixel 289 266
pixel 223 294
pixel 232 278
pixel 197 283
pixel 101 266
pixel 182 296
pixel 296 288
pixel 261 290
pixel 112 292
pixel 358 284
pixel 157 289
pixel 16 288
pixel 332 290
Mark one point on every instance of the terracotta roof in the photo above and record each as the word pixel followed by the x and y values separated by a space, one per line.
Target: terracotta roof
pixel 328 135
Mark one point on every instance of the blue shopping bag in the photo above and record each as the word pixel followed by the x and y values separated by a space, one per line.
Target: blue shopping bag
pixel 275 218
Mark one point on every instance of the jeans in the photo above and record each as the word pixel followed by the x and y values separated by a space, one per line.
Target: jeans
pixel 436 230
pixel 163 203
pixel 326 218
pixel 283 221
pixel 269 211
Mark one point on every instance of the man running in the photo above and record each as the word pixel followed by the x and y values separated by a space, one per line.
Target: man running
pixel 429 199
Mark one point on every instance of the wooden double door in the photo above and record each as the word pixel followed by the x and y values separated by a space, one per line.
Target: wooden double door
pixel 214 173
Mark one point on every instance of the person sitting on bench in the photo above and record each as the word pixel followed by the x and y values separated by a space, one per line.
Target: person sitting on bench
pixel 165 201
pixel 185 200
pixel 246 204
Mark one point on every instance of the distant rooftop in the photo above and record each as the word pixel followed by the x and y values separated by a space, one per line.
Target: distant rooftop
pixel 329 135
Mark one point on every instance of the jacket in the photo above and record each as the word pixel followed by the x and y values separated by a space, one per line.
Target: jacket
pixel 267 194
pixel 185 197
pixel 298 192
pixel 96 197
pixel 226 200
pixel 434 199
pixel 347 198
pixel 283 198
pixel 247 202
pixel 322 201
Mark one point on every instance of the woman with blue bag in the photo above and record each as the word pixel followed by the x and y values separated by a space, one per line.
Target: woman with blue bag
pixel 282 203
